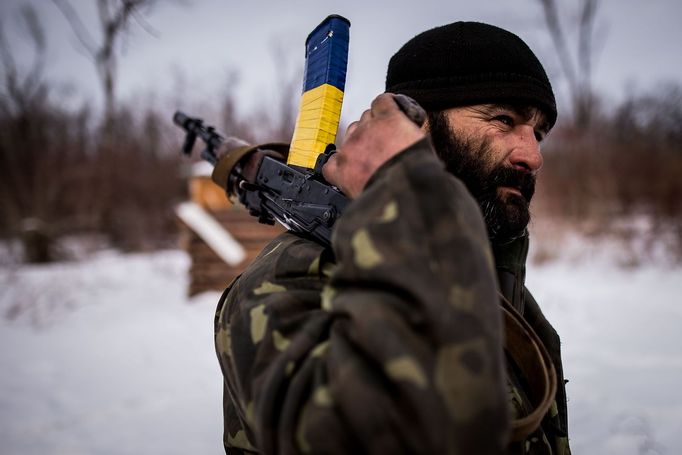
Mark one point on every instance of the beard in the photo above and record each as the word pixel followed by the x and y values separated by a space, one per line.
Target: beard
pixel 506 213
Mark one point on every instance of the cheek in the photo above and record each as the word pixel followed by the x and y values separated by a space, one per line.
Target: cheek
pixel 495 147
pixel 497 153
pixel 489 151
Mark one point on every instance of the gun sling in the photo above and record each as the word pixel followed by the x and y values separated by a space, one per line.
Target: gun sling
pixel 535 365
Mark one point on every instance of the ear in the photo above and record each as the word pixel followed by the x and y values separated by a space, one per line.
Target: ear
pixel 426 126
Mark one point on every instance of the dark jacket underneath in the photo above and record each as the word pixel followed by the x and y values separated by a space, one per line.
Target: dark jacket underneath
pixel 392 343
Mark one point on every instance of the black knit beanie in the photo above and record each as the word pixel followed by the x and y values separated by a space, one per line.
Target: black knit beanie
pixel 468 63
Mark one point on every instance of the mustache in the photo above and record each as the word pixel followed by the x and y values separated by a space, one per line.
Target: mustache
pixel 521 179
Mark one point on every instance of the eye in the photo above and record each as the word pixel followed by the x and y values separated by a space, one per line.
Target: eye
pixel 504 119
pixel 540 135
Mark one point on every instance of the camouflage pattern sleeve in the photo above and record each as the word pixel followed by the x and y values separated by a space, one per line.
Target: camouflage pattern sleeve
pixel 396 348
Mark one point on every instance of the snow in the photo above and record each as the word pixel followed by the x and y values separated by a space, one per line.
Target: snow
pixel 107 355
pixel 620 330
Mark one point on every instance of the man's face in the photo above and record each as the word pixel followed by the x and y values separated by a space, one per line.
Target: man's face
pixel 495 150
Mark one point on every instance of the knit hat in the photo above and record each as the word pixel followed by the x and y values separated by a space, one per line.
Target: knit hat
pixel 468 63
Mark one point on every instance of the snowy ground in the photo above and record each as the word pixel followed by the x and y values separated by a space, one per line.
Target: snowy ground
pixel 107 356
pixel 621 339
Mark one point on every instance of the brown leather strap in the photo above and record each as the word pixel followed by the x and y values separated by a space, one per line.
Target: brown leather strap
pixel 532 358
pixel 229 160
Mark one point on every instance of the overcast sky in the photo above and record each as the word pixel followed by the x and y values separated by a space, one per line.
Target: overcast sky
pixel 198 43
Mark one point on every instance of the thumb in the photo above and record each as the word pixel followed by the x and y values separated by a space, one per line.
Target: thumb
pixel 330 170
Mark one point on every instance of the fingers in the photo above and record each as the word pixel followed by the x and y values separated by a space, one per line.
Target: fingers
pixel 331 172
pixel 382 131
pixel 411 108
pixel 330 169
pixel 389 103
pixel 381 105
pixel 384 104
pixel 364 118
pixel 352 127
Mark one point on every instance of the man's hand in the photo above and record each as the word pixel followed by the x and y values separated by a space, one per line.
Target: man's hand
pixel 250 159
pixel 381 133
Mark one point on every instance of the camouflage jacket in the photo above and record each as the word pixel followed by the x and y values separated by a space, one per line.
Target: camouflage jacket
pixel 390 342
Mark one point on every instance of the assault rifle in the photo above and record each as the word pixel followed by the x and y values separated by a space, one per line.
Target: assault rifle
pixel 297 197
pixel 294 193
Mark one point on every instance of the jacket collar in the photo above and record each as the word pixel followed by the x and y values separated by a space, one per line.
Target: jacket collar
pixel 510 261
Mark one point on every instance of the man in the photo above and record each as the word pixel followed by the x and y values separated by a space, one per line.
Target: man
pixel 392 340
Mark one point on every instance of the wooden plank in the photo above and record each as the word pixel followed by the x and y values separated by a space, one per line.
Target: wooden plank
pixel 207 271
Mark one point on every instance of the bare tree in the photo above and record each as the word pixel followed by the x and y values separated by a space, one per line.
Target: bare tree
pixel 22 97
pixel 578 71
pixel 23 89
pixel 115 17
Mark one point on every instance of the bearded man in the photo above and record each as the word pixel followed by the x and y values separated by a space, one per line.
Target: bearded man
pixel 394 340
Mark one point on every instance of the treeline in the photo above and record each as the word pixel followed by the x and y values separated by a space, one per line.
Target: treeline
pixel 629 162
pixel 60 174
pixel 621 178
pixel 115 172
pixel 65 172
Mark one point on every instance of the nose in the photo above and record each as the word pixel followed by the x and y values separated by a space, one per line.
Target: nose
pixel 526 152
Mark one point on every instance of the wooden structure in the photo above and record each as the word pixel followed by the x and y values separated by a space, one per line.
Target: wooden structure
pixel 208 272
